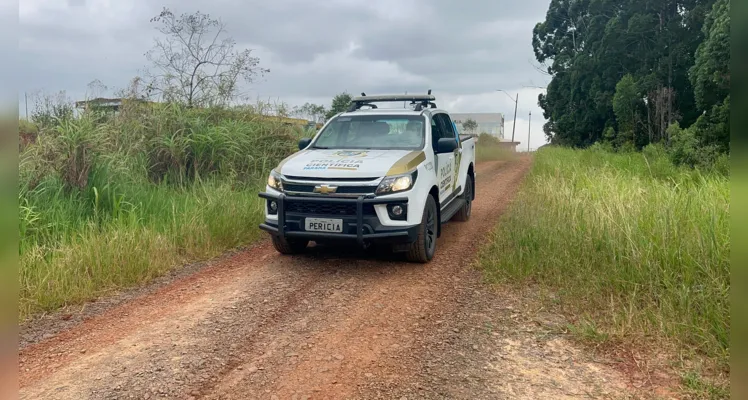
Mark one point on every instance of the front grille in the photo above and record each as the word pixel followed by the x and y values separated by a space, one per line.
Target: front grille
pixel 292 187
pixel 322 208
pixel 307 178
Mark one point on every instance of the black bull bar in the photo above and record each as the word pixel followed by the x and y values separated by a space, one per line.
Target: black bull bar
pixel 360 236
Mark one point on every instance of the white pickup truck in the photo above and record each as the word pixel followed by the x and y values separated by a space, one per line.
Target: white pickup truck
pixel 374 175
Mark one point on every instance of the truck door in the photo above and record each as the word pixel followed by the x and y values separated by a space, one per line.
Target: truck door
pixel 445 171
pixel 457 181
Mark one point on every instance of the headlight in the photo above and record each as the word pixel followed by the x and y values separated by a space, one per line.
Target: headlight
pixel 398 183
pixel 274 181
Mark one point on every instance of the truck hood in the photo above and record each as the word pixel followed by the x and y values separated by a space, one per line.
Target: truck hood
pixel 323 163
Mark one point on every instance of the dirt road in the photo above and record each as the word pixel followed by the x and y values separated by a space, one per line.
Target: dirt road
pixel 323 325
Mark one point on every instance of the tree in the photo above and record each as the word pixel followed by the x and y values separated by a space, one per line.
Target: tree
pixel 195 63
pixel 314 112
pixel 592 44
pixel 711 78
pixel 340 103
pixel 626 102
pixel 710 74
pixel 96 89
pixel 470 125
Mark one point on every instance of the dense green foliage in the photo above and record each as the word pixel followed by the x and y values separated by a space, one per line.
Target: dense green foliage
pixel 625 71
pixel 629 243
pixel 110 201
pixel 340 103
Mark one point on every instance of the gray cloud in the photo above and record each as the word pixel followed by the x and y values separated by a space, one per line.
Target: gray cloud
pixel 314 49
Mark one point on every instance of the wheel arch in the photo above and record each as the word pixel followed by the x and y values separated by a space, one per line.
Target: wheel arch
pixel 471 174
pixel 434 192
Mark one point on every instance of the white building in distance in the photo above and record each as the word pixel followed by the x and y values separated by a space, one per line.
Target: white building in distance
pixel 491 123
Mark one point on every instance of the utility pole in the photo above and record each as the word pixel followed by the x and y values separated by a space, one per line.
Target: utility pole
pixel 514 124
pixel 26 100
pixel 529 121
pixel 516 101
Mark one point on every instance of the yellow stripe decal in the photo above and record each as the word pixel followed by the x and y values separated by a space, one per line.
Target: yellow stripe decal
pixel 407 163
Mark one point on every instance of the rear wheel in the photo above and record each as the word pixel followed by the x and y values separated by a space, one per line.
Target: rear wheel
pixel 289 246
pixel 423 249
pixel 467 195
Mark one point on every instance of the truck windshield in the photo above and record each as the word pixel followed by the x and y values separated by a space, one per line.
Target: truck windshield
pixel 404 132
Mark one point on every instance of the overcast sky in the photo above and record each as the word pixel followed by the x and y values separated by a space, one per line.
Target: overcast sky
pixel 462 50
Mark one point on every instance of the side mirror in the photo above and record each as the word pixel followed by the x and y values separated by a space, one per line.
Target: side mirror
pixel 303 143
pixel 446 145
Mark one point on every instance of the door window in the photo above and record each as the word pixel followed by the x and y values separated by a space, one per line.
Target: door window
pixel 447 128
pixel 436 131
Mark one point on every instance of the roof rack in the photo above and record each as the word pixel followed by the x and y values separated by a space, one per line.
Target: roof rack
pixel 419 100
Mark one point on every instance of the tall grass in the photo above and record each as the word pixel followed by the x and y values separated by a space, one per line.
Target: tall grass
pixel 632 244
pixel 108 202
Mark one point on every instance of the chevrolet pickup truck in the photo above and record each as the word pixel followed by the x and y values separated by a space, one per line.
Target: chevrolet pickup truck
pixel 374 175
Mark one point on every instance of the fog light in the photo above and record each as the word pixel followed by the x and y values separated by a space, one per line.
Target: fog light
pixel 273 206
pixel 398 212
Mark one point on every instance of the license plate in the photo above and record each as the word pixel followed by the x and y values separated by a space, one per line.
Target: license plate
pixel 323 225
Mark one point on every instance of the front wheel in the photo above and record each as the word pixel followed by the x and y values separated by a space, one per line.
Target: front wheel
pixel 423 249
pixel 289 246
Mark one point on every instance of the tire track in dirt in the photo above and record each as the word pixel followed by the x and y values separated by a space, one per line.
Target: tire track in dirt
pixel 331 323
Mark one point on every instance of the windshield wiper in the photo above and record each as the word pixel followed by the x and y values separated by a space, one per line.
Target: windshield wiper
pixel 320 147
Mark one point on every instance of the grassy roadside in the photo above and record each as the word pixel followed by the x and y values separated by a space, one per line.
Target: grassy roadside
pixel 172 228
pixel 633 246
pixel 109 202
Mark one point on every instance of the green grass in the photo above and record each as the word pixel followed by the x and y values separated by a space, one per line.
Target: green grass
pixel 635 247
pixel 696 387
pixel 161 229
pixel 107 203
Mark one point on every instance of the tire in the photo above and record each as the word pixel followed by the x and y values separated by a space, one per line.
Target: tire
pixel 289 246
pixel 467 195
pixel 423 249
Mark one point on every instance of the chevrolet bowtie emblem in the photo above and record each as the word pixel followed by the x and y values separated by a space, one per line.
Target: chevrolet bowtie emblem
pixel 325 189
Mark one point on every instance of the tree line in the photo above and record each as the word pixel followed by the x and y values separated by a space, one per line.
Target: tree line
pixel 629 73
pixel 319 113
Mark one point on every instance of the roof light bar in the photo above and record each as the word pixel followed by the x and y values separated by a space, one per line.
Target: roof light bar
pixel 419 99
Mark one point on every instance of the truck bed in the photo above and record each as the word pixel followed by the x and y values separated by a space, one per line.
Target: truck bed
pixel 466 137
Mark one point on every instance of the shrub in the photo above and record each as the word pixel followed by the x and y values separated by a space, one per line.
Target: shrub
pixel 50 110
pixel 687 149
pixel 27 133
pixel 488 148
pixel 488 139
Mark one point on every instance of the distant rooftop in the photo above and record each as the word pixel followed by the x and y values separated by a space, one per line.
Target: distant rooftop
pixel 99 101
pixel 102 102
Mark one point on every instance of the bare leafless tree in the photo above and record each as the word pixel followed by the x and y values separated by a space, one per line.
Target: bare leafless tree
pixel 310 111
pixel 195 63
pixel 96 88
